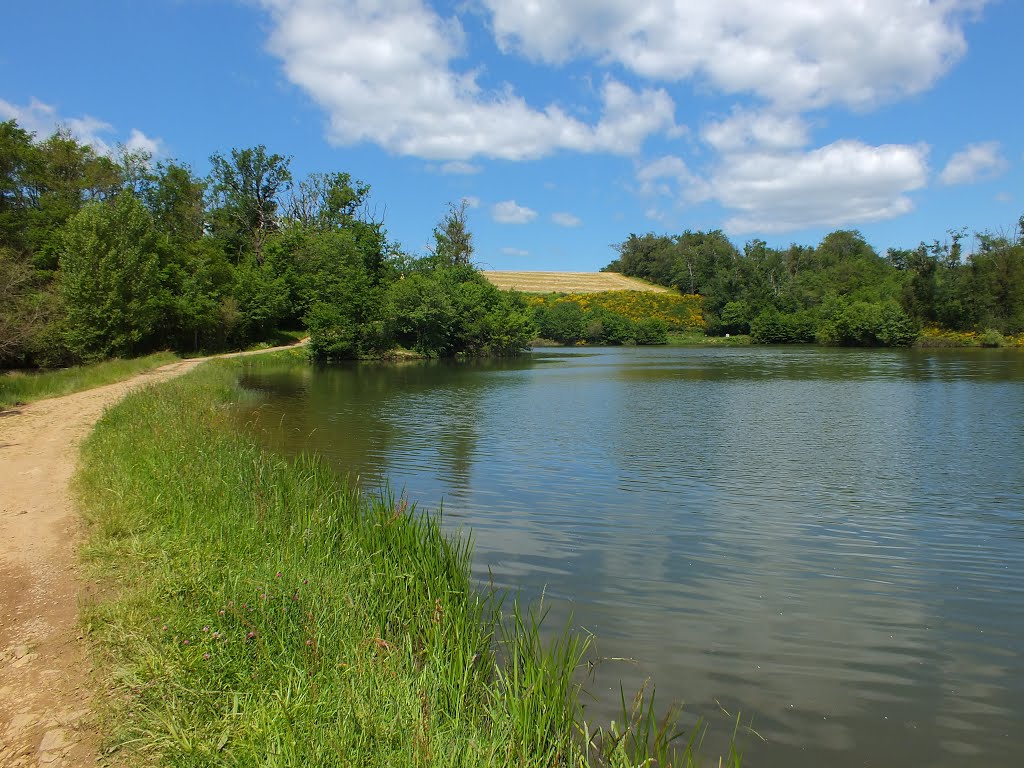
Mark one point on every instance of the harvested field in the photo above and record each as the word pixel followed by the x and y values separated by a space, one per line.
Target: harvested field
pixel 569 282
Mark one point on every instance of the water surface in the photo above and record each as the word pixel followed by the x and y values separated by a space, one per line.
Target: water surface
pixel 828 540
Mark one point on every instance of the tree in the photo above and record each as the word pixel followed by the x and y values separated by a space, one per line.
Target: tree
pixel 67 175
pixel 453 242
pixel 245 203
pixel 563 322
pixel 19 161
pixel 24 309
pixel 326 201
pixel 175 200
pixel 110 279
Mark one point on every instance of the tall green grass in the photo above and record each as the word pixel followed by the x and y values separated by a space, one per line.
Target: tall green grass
pixel 265 614
pixel 18 387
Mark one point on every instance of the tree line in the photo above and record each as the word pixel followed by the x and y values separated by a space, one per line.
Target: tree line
pixel 104 256
pixel 840 291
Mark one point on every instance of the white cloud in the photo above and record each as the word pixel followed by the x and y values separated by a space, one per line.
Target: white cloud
pixel 976 162
pixel 140 142
pixel 745 129
pixel 43 119
pixel 38 118
pixel 384 74
pixel 769 190
pixel 510 212
pixel 460 167
pixel 515 252
pixel 565 219
pixel 836 185
pixel 667 176
pixel 797 54
pixel 471 201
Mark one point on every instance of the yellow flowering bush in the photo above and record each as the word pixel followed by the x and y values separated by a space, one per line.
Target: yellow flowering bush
pixel 678 312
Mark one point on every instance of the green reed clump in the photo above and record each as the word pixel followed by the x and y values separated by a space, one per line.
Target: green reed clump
pixel 18 387
pixel 266 614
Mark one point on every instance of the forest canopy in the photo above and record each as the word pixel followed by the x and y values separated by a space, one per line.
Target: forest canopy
pixel 117 256
pixel 840 291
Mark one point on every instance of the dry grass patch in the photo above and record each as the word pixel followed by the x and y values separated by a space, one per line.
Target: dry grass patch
pixel 569 282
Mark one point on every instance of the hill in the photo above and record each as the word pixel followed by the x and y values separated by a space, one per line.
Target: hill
pixel 569 282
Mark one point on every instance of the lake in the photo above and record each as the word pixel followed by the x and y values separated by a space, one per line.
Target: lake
pixel 828 541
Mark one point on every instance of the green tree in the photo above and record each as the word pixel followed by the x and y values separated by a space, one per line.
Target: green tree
pixel 245 190
pixel 564 322
pixel 453 242
pixel 175 198
pixel 67 175
pixel 110 279
pixel 19 163
pixel 326 201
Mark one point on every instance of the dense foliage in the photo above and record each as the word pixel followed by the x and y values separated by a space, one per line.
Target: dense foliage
pixel 118 256
pixel 841 291
pixel 614 317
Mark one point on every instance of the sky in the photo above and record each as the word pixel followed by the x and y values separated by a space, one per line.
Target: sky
pixel 565 125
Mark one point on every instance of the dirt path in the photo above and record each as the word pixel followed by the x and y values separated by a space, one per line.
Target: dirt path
pixel 45 693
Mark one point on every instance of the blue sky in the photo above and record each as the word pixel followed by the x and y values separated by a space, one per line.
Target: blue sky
pixel 567 124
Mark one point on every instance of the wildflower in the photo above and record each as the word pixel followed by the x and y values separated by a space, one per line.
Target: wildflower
pixel 184 642
pixel 278 576
pixel 220 612
pixel 215 635
pixel 305 581
pixel 309 642
pixel 163 628
pixel 251 636
pixel 206 656
pixel 206 629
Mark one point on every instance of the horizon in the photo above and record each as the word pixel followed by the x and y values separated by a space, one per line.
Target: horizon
pixel 566 132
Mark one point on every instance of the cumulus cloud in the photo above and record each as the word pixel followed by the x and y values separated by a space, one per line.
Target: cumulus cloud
pixel 565 219
pixel 768 191
pixel 667 176
pixel 384 73
pixel 43 119
pixel 510 212
pixel 801 53
pixel 839 184
pixel 976 162
pixel 746 129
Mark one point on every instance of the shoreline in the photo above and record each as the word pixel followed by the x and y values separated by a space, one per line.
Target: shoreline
pixel 210 562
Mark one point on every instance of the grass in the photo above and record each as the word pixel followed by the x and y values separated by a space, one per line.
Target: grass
pixel 20 387
pixel 261 613
pixel 697 338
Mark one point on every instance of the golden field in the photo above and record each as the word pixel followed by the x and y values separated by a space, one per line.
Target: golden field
pixel 569 282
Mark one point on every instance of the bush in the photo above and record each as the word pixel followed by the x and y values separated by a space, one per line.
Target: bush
pixel 651 331
pixel 992 338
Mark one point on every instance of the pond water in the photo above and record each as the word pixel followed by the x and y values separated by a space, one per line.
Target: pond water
pixel 828 541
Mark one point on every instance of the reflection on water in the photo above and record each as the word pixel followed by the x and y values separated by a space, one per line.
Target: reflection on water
pixel 829 540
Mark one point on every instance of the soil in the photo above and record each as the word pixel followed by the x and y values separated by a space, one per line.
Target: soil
pixel 46 681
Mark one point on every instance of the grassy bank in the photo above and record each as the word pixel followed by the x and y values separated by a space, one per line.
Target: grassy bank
pixel 263 614
pixel 18 387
